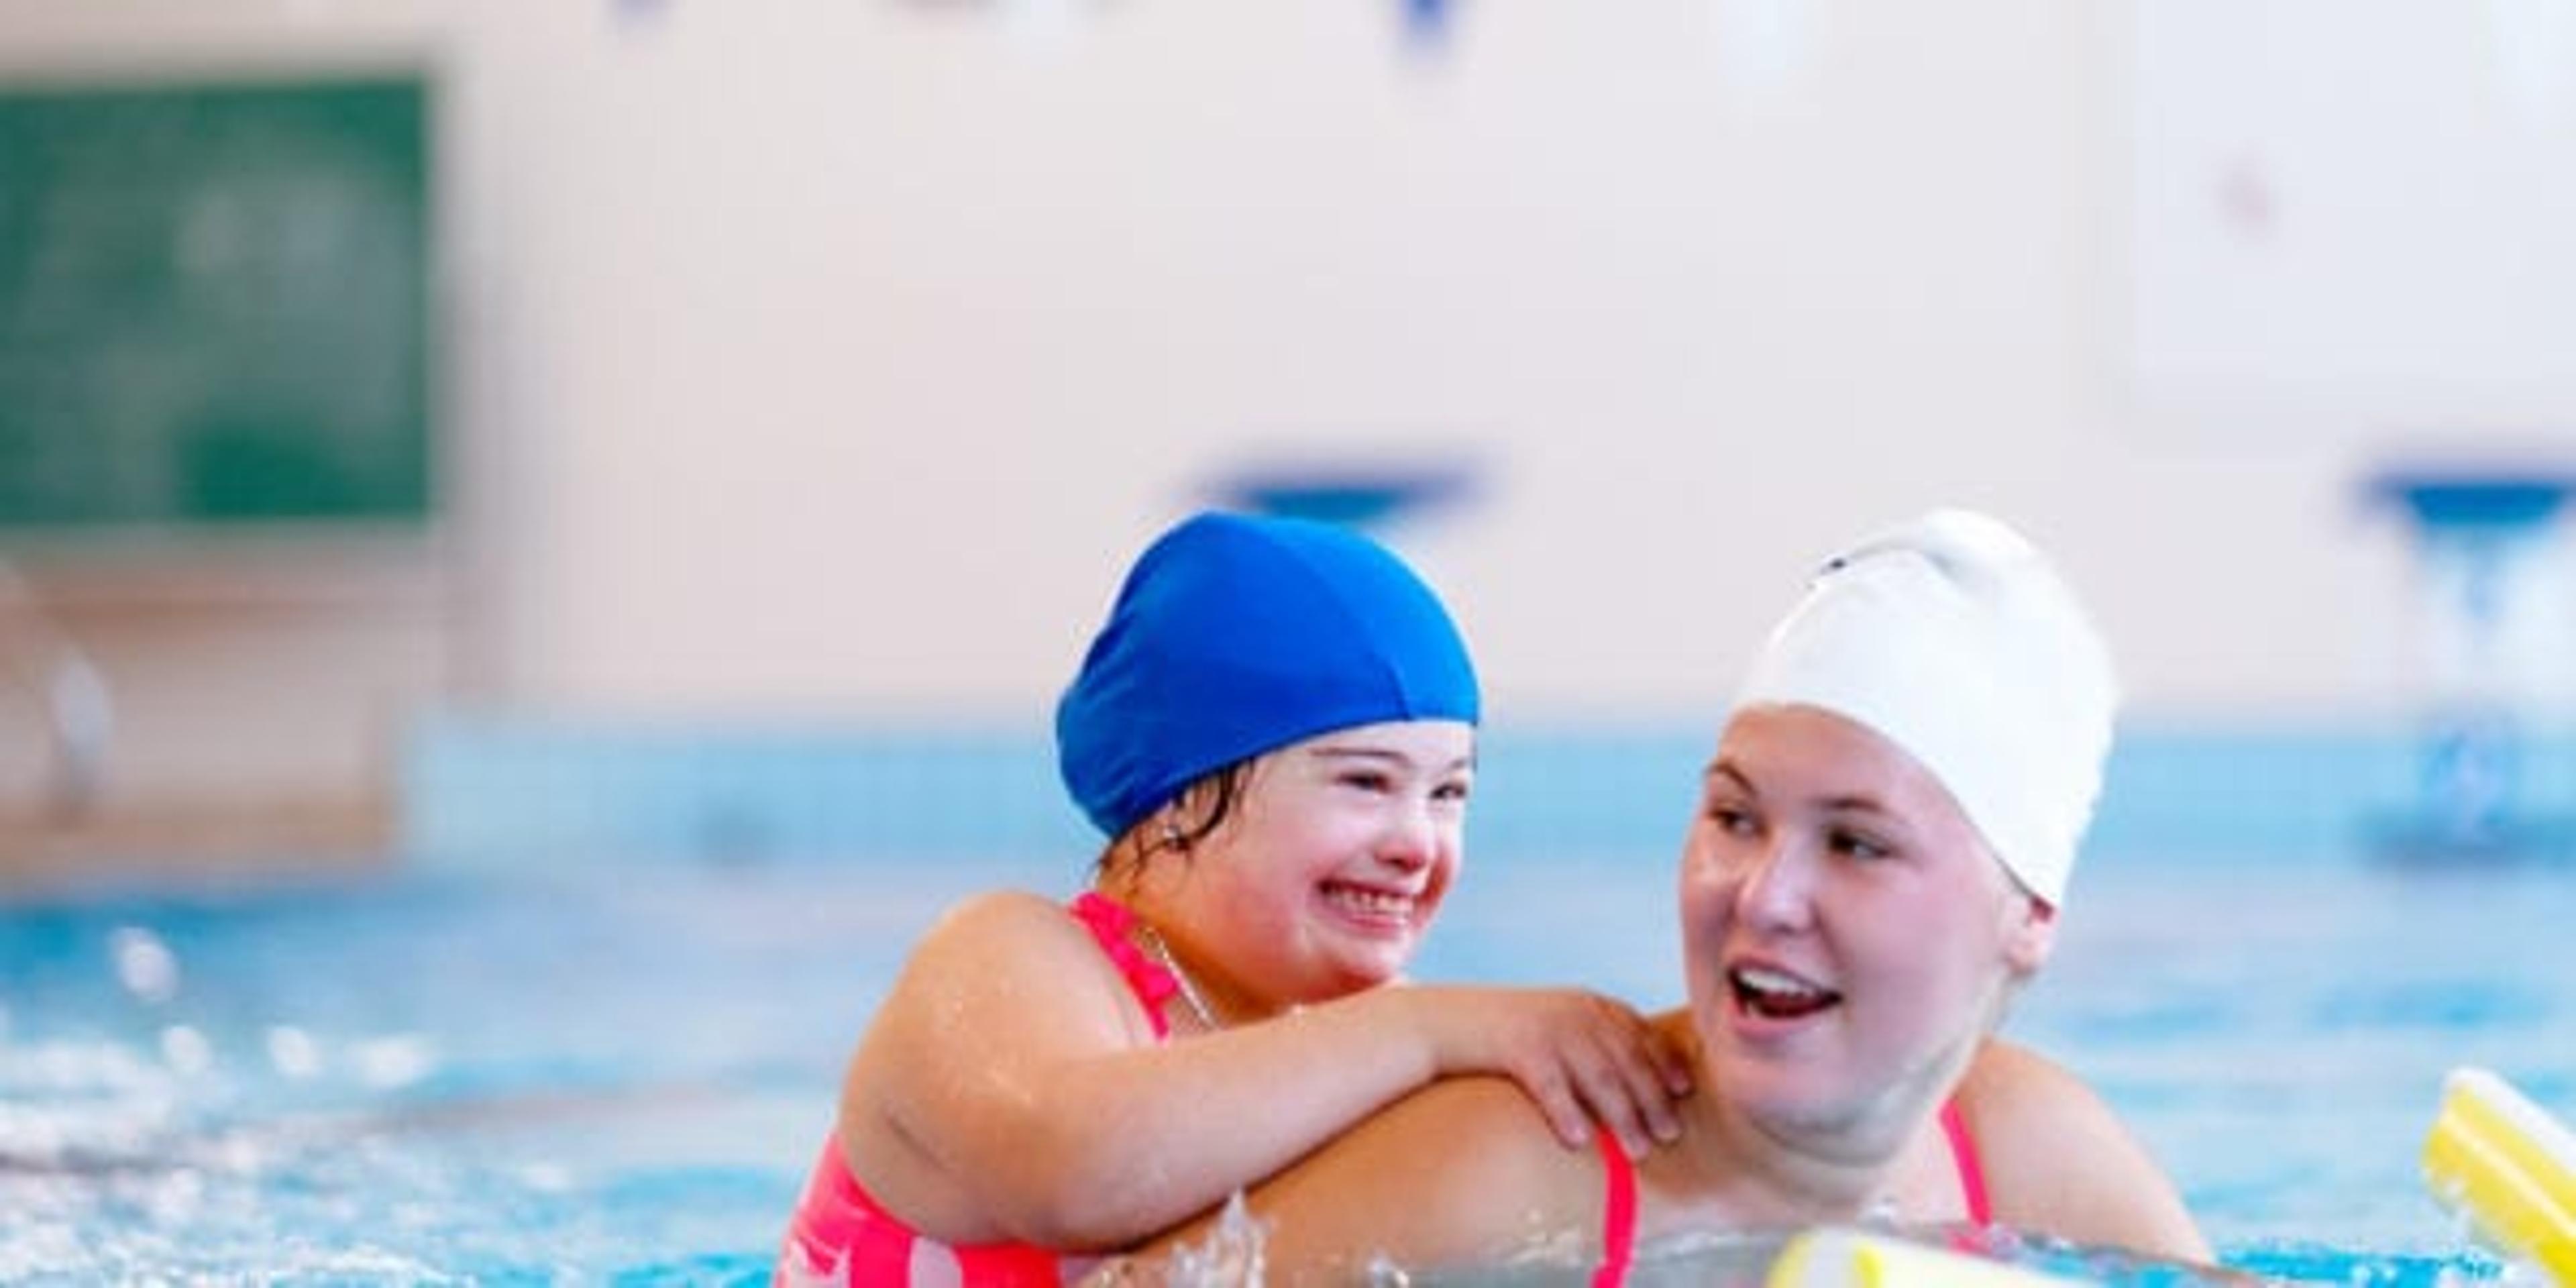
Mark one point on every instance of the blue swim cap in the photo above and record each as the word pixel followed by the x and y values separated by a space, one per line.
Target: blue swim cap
pixel 1235 635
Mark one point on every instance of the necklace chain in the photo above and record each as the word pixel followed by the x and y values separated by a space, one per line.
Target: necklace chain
pixel 1189 991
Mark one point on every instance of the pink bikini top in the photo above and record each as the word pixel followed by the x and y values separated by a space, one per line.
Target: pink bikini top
pixel 841 1235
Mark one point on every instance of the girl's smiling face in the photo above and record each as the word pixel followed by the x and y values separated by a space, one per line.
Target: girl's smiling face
pixel 1331 866
pixel 1848 935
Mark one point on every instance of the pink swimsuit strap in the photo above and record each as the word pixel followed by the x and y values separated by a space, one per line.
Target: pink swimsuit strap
pixel 1619 1204
pixel 1109 921
pixel 1618 1213
pixel 1972 1169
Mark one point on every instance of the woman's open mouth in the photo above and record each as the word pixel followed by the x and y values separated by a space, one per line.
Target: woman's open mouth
pixel 1777 995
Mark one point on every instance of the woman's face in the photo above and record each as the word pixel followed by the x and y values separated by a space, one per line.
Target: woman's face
pixel 1848 935
pixel 1330 868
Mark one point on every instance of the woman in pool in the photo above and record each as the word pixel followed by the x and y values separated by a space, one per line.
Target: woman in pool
pixel 1880 852
pixel 1275 729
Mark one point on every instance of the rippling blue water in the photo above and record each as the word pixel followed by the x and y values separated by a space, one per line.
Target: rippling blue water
pixel 619 1075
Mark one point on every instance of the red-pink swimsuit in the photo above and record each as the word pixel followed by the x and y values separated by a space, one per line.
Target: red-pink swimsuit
pixel 840 1234
pixel 1619 1210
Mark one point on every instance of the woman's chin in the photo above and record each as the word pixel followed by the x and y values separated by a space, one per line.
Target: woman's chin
pixel 1783 1096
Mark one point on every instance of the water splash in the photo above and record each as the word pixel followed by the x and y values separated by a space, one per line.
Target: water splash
pixel 1233 1255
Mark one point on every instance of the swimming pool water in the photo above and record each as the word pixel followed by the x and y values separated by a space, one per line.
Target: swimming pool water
pixel 619 1074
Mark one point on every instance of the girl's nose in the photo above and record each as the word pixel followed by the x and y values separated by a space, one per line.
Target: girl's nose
pixel 1411 839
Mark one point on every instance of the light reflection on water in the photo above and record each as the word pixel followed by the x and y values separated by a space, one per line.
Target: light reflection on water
pixel 621 1075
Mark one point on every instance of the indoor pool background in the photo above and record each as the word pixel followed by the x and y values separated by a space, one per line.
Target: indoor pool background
pixel 595 1067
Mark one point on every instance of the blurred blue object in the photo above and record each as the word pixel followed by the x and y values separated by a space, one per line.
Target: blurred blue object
pixel 2475 530
pixel 1426 22
pixel 2441 499
pixel 1355 494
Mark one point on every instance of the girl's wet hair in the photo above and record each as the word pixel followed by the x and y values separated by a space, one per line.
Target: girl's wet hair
pixel 1223 790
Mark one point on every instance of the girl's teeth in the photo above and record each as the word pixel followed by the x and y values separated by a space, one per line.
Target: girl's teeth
pixel 1375 902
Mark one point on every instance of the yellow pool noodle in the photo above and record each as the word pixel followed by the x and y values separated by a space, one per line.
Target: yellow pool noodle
pixel 1832 1257
pixel 2508 1166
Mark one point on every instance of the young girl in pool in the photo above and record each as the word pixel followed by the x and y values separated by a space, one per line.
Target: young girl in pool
pixel 1880 852
pixel 1275 729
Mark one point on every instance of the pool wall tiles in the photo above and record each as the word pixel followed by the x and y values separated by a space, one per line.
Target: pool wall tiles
pixel 493 791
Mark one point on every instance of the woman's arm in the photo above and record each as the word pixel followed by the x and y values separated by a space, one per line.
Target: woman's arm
pixel 2059 1162
pixel 1008 1088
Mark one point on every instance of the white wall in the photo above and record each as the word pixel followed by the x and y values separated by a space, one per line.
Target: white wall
pixel 830 358
pixel 851 348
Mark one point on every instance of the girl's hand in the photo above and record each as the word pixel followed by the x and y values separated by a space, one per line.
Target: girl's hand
pixel 1583 1058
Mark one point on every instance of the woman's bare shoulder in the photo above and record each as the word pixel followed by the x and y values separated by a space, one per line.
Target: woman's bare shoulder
pixel 2059 1160
pixel 2015 1099
pixel 1464 1171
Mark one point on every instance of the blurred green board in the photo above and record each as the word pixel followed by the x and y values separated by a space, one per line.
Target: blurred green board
pixel 214 305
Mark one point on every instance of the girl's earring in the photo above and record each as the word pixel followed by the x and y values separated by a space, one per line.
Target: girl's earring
pixel 1172 836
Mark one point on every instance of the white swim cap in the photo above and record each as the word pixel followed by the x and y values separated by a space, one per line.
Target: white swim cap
pixel 1952 637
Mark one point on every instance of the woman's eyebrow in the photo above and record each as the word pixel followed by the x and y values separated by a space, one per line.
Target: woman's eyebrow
pixel 1723 769
pixel 1857 804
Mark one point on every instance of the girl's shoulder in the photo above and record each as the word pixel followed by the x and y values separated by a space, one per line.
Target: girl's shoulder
pixel 1004 932
pixel 1019 967
pixel 1005 907
pixel 999 915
